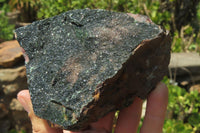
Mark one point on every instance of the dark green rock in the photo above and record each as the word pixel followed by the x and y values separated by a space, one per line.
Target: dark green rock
pixel 85 63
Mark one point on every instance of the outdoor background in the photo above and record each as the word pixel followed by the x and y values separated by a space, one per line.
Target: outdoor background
pixel 180 17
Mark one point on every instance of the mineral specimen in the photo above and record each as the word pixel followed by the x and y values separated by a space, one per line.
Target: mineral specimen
pixel 86 63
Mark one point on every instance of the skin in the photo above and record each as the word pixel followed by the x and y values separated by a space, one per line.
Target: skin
pixel 128 119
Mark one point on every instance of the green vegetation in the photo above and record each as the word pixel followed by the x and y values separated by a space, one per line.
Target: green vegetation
pixel 180 17
pixel 15 131
pixel 183 111
pixel 167 13
pixel 183 115
pixel 6 29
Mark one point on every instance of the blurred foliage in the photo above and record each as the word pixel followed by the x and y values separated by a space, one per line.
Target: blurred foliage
pixel 49 8
pixel 177 126
pixel 6 29
pixel 183 111
pixel 28 9
pixel 180 17
pixel 15 131
pixel 186 40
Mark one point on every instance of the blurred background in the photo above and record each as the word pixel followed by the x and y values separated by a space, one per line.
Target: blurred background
pixel 180 17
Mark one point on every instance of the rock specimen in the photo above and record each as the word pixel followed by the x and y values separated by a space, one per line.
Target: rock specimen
pixel 86 63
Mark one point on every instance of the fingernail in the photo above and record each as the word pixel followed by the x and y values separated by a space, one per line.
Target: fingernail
pixel 23 101
pixel 25 55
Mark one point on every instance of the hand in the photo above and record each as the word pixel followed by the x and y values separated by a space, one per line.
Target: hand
pixel 128 119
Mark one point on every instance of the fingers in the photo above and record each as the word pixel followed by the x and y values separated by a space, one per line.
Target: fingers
pixel 129 118
pixel 25 55
pixel 38 125
pixel 104 124
pixel 156 109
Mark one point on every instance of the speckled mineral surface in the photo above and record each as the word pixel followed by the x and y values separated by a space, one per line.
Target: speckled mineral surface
pixel 86 63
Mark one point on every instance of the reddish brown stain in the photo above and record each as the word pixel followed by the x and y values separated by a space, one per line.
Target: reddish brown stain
pixel 74 68
pixel 96 96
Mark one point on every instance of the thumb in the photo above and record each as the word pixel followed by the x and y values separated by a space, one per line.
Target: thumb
pixel 38 125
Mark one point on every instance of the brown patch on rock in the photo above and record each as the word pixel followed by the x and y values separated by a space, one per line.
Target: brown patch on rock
pixel 93 57
pixel 91 80
pixel 74 68
pixel 140 18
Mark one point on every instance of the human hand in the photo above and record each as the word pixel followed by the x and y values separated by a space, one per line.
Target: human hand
pixel 128 119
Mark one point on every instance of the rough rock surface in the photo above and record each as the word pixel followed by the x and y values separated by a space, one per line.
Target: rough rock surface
pixel 10 54
pixel 84 64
